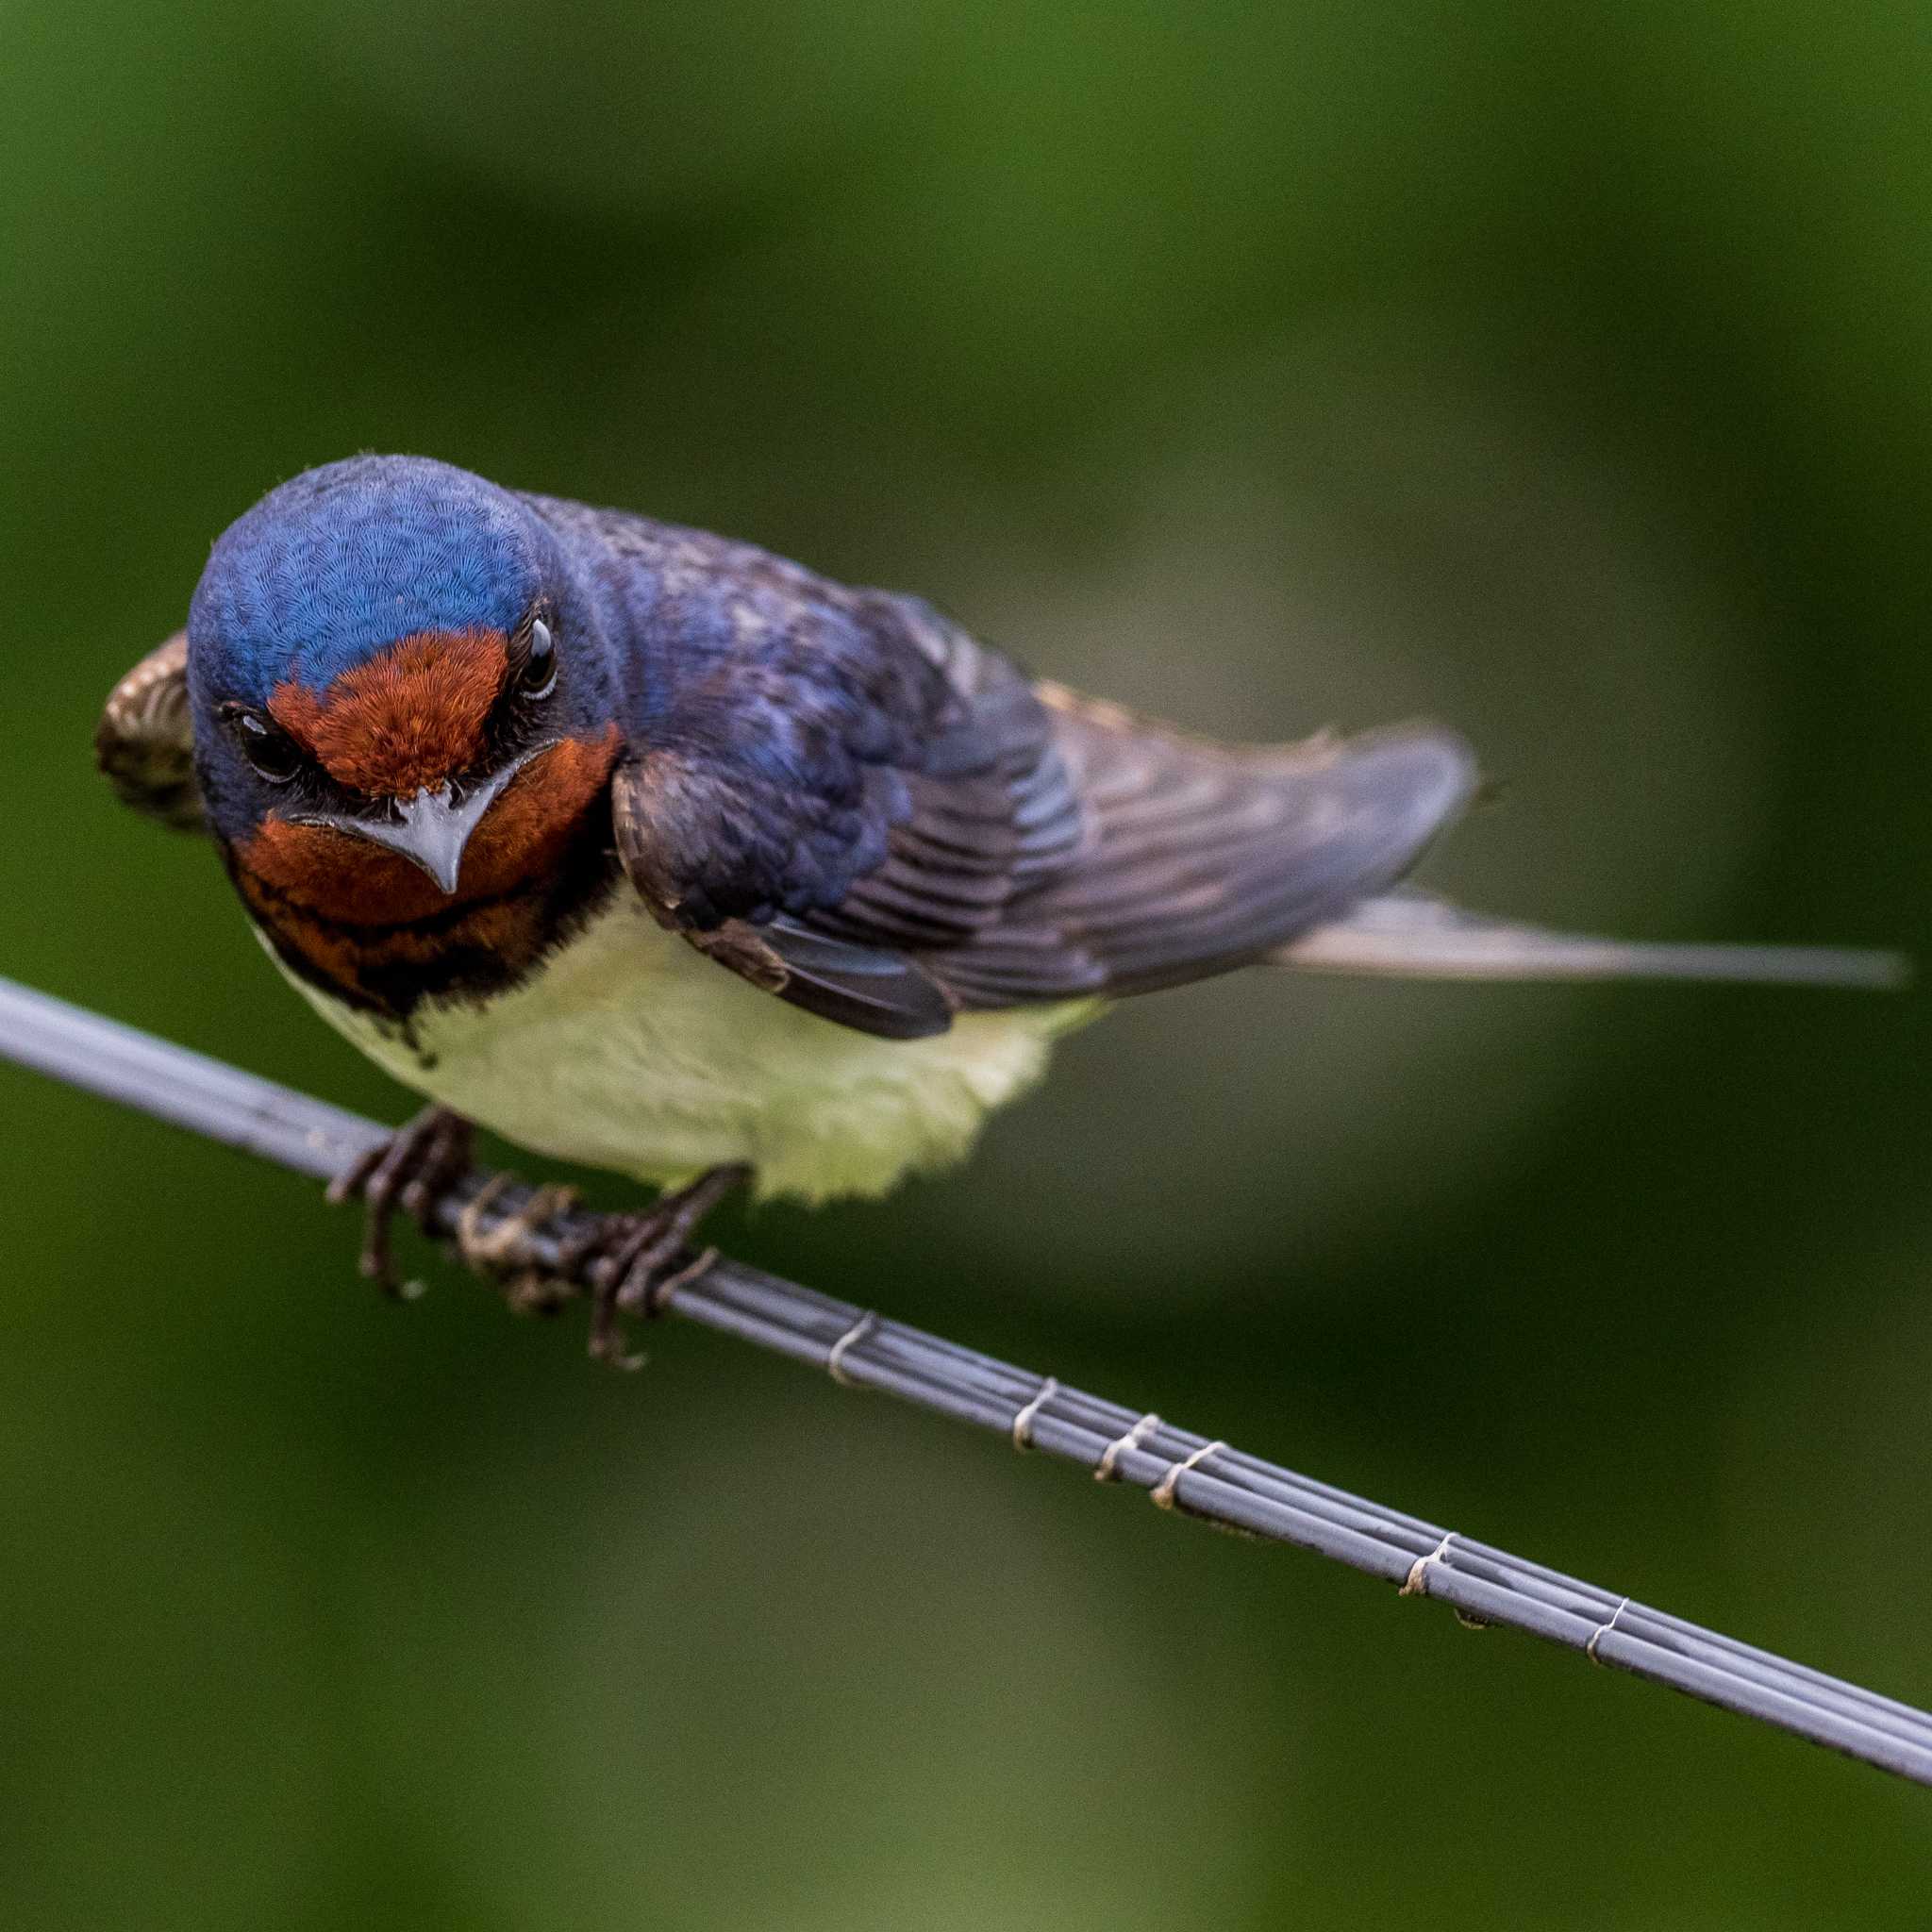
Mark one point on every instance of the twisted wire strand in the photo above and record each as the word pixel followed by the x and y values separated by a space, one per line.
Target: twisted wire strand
pixel 1191 1475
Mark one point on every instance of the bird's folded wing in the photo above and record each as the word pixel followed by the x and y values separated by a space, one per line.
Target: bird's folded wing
pixel 144 742
pixel 885 823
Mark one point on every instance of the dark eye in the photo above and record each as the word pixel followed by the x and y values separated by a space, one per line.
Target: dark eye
pixel 266 747
pixel 537 678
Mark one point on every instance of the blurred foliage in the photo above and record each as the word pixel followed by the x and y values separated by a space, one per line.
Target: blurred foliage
pixel 1560 372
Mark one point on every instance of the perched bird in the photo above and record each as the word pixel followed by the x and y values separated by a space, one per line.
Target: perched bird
pixel 656 852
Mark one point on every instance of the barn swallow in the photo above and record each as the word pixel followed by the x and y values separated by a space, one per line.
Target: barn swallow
pixel 653 851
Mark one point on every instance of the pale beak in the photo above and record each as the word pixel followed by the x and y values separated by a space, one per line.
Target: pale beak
pixel 432 829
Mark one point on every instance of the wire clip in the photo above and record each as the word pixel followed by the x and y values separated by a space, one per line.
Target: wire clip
pixel 1602 1631
pixel 1022 1422
pixel 1107 1473
pixel 1163 1491
pixel 1418 1582
pixel 835 1362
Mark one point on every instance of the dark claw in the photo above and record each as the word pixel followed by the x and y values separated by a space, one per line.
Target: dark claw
pixel 641 1255
pixel 410 1172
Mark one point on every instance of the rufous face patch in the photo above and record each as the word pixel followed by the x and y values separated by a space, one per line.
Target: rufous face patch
pixel 405 720
pixel 350 881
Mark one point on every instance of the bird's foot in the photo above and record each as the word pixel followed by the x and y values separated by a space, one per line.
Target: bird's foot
pixel 503 1248
pixel 636 1259
pixel 410 1172
pixel 644 1259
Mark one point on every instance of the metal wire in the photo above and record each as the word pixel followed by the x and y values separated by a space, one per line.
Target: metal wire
pixel 1182 1471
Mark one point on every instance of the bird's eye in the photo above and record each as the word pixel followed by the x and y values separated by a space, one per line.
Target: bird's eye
pixel 537 678
pixel 266 747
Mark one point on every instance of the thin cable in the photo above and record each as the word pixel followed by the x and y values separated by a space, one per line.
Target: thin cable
pixel 1191 1474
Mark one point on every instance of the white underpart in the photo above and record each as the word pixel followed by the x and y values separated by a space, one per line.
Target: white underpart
pixel 629 1050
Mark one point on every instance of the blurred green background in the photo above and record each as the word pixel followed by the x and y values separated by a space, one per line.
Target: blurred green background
pixel 1563 373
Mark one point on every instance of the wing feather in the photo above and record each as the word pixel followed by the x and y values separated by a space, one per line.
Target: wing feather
pixel 896 826
pixel 144 744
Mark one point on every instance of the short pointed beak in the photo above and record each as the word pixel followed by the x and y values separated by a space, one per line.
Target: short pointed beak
pixel 432 829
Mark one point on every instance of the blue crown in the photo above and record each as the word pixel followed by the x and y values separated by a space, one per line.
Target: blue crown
pixel 325 571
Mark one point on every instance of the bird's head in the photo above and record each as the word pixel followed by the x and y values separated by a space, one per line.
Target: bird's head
pixel 399 689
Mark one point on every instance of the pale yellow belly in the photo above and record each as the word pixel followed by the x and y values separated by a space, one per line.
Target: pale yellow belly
pixel 629 1050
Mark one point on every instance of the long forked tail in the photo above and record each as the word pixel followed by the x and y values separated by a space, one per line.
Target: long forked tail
pixel 1411 935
